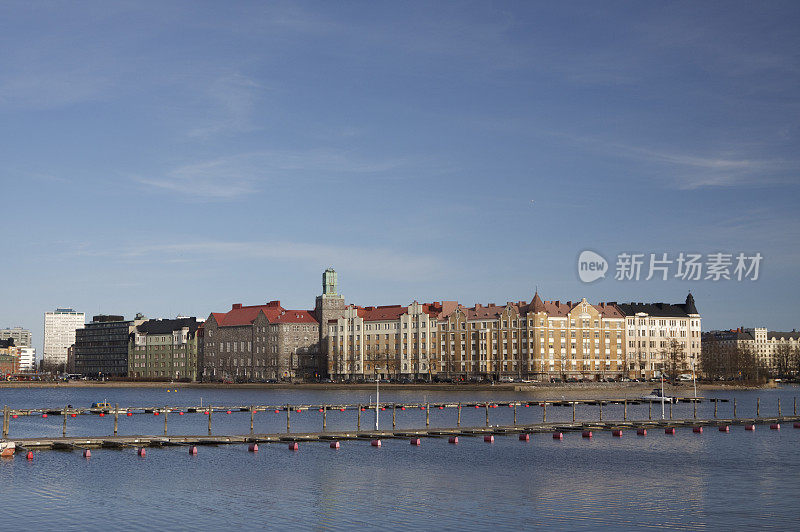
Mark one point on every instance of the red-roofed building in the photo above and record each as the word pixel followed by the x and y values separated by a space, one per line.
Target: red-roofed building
pixel 266 342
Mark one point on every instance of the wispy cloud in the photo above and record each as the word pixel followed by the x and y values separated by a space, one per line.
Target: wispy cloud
pixel 693 170
pixel 231 100
pixel 232 177
pixel 381 263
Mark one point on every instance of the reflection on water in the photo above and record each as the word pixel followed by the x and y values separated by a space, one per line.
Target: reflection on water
pixel 711 480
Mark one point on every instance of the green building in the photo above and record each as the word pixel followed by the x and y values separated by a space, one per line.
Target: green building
pixel 164 350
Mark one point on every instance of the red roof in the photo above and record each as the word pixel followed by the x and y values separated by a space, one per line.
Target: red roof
pixel 274 312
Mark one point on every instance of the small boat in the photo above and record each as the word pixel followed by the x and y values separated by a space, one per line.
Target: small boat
pixel 658 397
pixel 7 448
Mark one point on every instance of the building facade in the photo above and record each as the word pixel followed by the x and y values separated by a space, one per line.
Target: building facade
pixel 101 348
pixel 660 333
pixel 22 337
pixel 9 358
pixel 59 334
pixel 776 352
pixel 164 349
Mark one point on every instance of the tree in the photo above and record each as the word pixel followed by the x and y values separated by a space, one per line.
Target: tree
pixel 674 361
pixel 783 359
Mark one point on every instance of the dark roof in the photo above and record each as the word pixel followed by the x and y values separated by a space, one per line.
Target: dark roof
pixel 660 310
pixel 779 334
pixel 167 326
pixel 8 342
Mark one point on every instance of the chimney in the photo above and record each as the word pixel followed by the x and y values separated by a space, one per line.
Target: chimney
pixel 236 305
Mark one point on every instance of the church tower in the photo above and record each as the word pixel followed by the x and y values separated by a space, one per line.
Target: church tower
pixel 330 306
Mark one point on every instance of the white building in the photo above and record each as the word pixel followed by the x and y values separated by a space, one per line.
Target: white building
pixel 27 359
pixel 59 333
pixel 22 337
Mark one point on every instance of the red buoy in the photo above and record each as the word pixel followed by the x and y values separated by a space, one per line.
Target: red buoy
pixel 375 443
pixel 141 452
pixel 724 428
pixel 587 434
pixel 641 432
pixel 402 408
pixel 452 439
pixel 669 430
pixel 558 435
pixel 180 413
pixel 193 450
pixel 228 412
pixel 477 406
pixel 775 426
pixel 129 414
pixel 383 408
pixel 697 430
pixel 29 456
pixel 617 433
pixel 253 447
pixel 298 411
pixel 749 427
pixel 44 415
pixel 102 414
pixel 320 410
pixel 422 408
pixel 14 416
pixel 342 409
pixel 441 408
pixel 362 409
pixel 415 441
pixel 797 425
pixel 510 405
pixel 294 446
pixel 275 411
pixel 526 405
pixel 74 415
pixel 489 438
pixel 87 453
pixel 524 437
pixel 155 413
pixel 334 445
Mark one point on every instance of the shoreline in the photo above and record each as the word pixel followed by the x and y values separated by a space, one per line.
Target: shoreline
pixel 572 389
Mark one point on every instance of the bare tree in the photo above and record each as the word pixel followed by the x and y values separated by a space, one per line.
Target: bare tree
pixel 674 359
pixel 783 360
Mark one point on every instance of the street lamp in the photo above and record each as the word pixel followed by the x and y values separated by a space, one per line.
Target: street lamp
pixel 377 396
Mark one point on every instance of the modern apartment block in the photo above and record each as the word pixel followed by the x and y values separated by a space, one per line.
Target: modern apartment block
pixel 101 348
pixel 21 337
pixel 59 334
pixel 164 349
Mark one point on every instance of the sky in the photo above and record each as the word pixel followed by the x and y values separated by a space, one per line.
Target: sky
pixel 177 157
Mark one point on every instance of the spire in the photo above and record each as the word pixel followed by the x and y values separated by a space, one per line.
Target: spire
pixel 689 307
pixel 537 305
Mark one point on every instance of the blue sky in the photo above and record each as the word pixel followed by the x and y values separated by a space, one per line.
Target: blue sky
pixel 175 157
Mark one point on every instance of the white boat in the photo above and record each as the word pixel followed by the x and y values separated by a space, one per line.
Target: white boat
pixel 657 397
pixel 7 448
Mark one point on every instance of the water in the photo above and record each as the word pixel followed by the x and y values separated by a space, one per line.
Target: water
pixel 712 480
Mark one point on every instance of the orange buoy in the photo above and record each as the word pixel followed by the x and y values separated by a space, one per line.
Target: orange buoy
pixel 488 438
pixel 524 437
pixel 587 434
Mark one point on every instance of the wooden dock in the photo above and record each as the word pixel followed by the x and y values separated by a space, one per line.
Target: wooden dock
pixel 134 442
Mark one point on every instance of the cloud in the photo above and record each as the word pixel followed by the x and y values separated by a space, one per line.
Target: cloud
pixel 233 177
pixel 381 263
pixel 232 99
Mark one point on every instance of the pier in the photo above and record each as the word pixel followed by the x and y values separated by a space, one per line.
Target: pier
pixel 614 426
